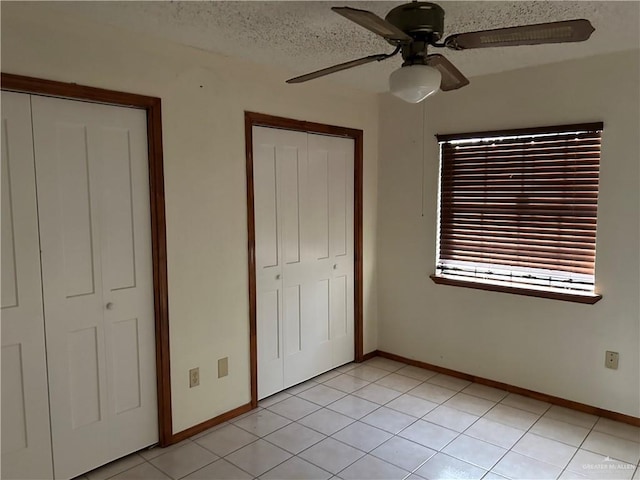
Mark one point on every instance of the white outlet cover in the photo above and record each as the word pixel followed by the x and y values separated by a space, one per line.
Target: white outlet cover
pixel 611 360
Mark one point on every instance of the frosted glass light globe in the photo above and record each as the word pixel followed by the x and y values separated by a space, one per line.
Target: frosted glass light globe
pixel 414 83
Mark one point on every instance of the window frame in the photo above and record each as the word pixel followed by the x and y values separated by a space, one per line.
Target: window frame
pixel 523 289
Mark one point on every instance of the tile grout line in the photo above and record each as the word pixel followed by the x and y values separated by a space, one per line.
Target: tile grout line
pixel 528 430
pixel 379 406
pixel 578 449
pixel 586 450
pixel 510 449
pixel 563 469
pixel 196 470
pixel 441 450
pixel 489 470
pixel 296 421
pixel 417 419
pixel 422 418
pixel 346 426
pixel 144 460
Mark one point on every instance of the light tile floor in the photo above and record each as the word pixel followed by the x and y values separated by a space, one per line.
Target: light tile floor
pixel 386 420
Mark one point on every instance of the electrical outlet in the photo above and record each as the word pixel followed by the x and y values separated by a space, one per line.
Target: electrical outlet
pixel 611 360
pixel 194 377
pixel 223 367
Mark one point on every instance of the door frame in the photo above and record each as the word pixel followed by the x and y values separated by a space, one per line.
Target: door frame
pixel 152 106
pixel 253 119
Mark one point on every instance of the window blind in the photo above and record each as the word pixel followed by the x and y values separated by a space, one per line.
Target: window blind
pixel 520 207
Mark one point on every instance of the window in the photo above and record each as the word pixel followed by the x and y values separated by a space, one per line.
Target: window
pixel 518 211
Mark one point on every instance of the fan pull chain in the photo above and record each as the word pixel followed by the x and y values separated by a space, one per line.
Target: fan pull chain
pixel 424 113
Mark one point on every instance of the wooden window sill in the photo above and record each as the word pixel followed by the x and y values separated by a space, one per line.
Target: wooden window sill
pixel 568 297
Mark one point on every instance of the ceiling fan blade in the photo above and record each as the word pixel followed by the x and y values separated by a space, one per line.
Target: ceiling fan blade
pixel 337 68
pixel 553 32
pixel 452 78
pixel 374 23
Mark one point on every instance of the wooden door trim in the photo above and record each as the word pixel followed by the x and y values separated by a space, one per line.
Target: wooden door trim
pixel 152 106
pixel 252 119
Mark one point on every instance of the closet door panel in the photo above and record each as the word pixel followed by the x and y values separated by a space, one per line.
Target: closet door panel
pixel 318 213
pixel 91 168
pixel 290 161
pixel 335 196
pixel 74 225
pixel 269 259
pixel 118 208
pixel 127 278
pixel 269 333
pixel 265 203
pixel 26 441
pixel 72 285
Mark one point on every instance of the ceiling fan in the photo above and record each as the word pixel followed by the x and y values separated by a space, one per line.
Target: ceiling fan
pixel 414 27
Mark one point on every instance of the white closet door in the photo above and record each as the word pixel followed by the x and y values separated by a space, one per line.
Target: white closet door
pixel 92 181
pixel 26 440
pixel 276 156
pixel 303 192
pixel 331 173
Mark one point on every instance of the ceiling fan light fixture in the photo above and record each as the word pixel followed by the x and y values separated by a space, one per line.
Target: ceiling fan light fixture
pixel 414 83
pixel 415 26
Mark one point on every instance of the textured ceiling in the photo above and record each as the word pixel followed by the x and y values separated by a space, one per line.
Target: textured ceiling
pixel 305 36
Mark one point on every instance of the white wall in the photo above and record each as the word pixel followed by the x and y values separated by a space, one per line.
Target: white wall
pixel 544 345
pixel 204 97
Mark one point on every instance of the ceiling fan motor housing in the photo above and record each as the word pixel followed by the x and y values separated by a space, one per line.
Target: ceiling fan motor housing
pixel 421 20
